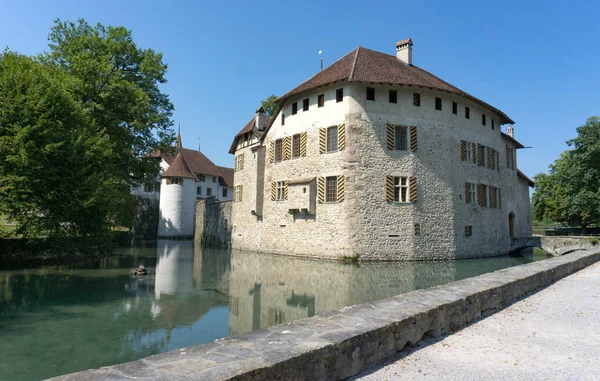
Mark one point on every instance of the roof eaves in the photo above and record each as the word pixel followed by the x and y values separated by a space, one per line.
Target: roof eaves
pixel 512 140
pixel 524 177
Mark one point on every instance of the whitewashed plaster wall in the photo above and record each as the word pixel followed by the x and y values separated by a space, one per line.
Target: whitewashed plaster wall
pixel 177 209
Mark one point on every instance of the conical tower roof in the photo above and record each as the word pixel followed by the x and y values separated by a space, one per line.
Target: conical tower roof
pixel 179 168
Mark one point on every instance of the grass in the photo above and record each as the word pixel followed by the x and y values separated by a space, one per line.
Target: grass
pixel 6 228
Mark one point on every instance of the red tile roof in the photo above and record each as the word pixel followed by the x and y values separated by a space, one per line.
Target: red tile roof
pixel 226 178
pixel 369 66
pixel 197 164
pixel 179 168
pixel 250 127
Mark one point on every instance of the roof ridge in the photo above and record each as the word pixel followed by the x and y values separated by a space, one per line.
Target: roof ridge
pixel 351 76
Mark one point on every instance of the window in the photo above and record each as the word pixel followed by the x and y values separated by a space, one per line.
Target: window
pixel 393 96
pixel 339 95
pixel 321 100
pixel 209 192
pixel 370 94
pixel 493 124
pixel 202 178
pixel 237 196
pixel 332 139
pixel 296 146
pixel 467 113
pixel 199 190
pixel 482 195
pixel 280 190
pixel 483 119
pixel 238 163
pixel 471 151
pixel 294 108
pixel 400 138
pixel 152 187
pixel 214 179
pixel 417 99
pixel 305 104
pixel 468 231
pixel 175 180
pixel 278 149
pixel 331 189
pixel 401 189
pixel 224 193
pixel 438 103
pixel 470 193
pixel 454 108
pixel 282 119
pixel 275 317
pixel 417 229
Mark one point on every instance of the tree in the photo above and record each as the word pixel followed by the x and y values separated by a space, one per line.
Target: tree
pixel 75 124
pixel 571 192
pixel 269 105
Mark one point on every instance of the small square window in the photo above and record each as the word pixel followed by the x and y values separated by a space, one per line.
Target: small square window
pixel 305 104
pixel 483 119
pixel 417 99
pixel 339 95
pixel 454 108
pixel 209 192
pixel 467 113
pixel 199 190
pixel 224 194
pixel 468 230
pixel 393 96
pixel 438 103
pixel 401 189
pixel 417 229
pixel 321 100
pixel 280 190
pixel 294 108
pixel 370 94
pixel 202 178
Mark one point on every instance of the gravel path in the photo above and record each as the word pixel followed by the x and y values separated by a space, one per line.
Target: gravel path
pixel 551 335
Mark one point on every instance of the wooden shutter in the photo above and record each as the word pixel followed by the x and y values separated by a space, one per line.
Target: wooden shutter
pixel 242 163
pixel 389 188
pixel 390 136
pixel 303 144
pixel 340 188
pixel 463 150
pixel 241 193
pixel 474 153
pixel 490 154
pixel 498 161
pixel 287 148
pixel 413 189
pixel 285 189
pixel 322 140
pixel 468 193
pixel 341 137
pixel 480 194
pixel 273 190
pixel 413 138
pixel 272 151
pixel 321 189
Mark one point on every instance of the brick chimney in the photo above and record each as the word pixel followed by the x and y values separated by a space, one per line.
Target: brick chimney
pixel 259 121
pixel 404 51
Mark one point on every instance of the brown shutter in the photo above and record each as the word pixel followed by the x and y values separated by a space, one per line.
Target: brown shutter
pixel 490 154
pixel 285 189
pixel 241 192
pixel 498 161
pixel 341 137
pixel 272 151
pixel 321 189
pixel 389 188
pixel 242 163
pixel 340 188
pixel 413 189
pixel 468 193
pixel 273 190
pixel 474 152
pixel 303 144
pixel 463 150
pixel 390 136
pixel 413 138
pixel 286 148
pixel 322 140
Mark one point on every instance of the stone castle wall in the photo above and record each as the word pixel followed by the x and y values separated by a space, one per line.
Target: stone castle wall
pixel 213 222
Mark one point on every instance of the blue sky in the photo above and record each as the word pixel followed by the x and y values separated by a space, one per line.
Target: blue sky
pixel 538 61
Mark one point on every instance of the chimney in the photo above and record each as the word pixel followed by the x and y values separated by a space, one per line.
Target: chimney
pixel 404 51
pixel 510 131
pixel 259 121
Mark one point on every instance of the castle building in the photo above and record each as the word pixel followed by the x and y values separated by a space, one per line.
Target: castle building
pixel 376 158
pixel 186 177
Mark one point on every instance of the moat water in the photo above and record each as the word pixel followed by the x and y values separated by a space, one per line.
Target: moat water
pixel 61 319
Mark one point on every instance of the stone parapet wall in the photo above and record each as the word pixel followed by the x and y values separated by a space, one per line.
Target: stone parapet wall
pixel 341 343
pixel 213 222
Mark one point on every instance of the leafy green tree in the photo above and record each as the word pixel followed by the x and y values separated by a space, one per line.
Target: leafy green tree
pixel 269 105
pixel 54 180
pixel 571 192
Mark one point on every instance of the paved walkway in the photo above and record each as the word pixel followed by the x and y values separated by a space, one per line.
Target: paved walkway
pixel 551 335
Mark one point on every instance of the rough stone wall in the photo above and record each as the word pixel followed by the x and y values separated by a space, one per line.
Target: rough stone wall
pixel 213 222
pixel 364 224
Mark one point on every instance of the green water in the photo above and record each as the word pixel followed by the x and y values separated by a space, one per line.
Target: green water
pixel 62 319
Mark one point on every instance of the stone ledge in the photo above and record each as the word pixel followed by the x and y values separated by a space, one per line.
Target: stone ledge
pixel 340 343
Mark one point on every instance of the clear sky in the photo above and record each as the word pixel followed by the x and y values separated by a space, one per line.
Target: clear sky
pixel 538 61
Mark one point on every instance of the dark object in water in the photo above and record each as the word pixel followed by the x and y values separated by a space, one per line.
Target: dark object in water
pixel 140 270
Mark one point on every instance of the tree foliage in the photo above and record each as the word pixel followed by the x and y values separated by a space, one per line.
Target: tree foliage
pixel 75 123
pixel 269 105
pixel 570 193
